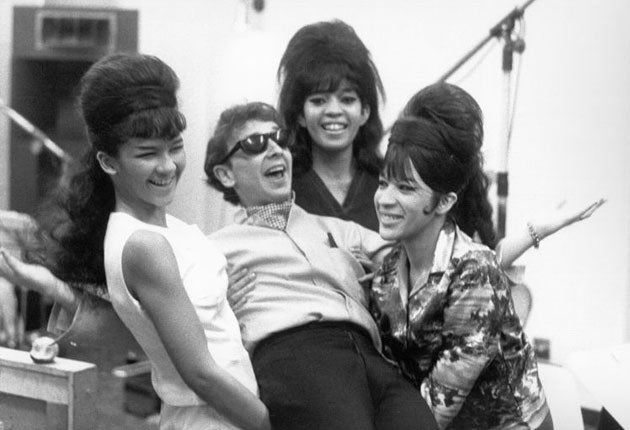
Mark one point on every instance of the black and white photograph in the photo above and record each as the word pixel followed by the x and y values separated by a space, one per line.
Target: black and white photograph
pixel 314 214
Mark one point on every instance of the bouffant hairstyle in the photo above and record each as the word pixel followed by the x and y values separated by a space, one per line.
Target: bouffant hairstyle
pixel 318 58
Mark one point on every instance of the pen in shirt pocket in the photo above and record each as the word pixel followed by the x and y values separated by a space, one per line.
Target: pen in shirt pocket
pixel 331 241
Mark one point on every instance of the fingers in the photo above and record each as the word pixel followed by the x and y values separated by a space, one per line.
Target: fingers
pixel 13 268
pixel 568 215
pixel 244 282
pixel 13 263
pixel 362 258
pixel 367 277
pixel 592 208
pixel 368 265
pixel 236 276
pixel 7 266
pixel 240 294
pixel 30 276
pixel 241 283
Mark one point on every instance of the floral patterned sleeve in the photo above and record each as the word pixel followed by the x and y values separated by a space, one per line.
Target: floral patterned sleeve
pixel 471 335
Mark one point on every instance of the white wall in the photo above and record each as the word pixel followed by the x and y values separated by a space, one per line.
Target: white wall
pixel 570 138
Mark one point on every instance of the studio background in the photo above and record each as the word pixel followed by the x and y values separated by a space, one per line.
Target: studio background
pixel 571 127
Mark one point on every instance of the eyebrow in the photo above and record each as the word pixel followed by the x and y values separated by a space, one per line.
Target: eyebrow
pixel 258 133
pixel 145 145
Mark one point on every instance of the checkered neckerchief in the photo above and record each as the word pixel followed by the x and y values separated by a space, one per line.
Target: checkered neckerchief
pixel 272 215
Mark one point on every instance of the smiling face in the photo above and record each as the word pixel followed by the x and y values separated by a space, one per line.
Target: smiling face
pixel 257 179
pixel 405 206
pixel 333 119
pixel 145 174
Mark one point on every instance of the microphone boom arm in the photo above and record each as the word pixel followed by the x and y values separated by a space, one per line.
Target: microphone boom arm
pixel 39 135
pixel 507 22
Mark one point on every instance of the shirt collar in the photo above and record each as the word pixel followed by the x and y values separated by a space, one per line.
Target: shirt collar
pixel 444 248
pixel 442 255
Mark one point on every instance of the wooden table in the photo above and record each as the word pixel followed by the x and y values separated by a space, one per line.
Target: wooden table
pixel 58 395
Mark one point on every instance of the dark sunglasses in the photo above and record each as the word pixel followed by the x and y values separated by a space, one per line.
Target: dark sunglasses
pixel 257 143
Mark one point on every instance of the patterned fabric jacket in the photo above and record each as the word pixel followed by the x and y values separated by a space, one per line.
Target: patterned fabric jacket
pixel 458 338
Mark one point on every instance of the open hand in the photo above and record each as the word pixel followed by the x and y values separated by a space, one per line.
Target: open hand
pixel 240 283
pixel 565 215
pixel 30 276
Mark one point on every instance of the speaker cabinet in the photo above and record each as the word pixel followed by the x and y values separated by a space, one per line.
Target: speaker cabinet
pixel 52 49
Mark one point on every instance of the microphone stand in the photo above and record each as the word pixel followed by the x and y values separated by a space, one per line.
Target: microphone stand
pixel 35 132
pixel 503 30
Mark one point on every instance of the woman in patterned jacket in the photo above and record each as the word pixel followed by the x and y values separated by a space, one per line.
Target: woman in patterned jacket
pixel 441 300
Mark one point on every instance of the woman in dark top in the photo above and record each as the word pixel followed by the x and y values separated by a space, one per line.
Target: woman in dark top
pixel 329 98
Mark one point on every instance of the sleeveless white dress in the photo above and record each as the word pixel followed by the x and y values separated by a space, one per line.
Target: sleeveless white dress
pixel 203 271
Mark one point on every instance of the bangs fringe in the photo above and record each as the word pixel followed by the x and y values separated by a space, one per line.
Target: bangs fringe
pixel 397 162
pixel 162 123
pixel 328 77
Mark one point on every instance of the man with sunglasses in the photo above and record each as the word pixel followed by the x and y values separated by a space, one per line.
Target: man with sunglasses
pixel 314 345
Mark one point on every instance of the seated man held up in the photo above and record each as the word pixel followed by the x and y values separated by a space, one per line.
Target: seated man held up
pixel 314 346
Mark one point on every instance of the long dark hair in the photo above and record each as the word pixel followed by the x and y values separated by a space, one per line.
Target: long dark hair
pixel 122 96
pixel 317 59
pixel 441 132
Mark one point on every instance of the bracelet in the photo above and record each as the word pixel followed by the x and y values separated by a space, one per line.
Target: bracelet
pixel 534 235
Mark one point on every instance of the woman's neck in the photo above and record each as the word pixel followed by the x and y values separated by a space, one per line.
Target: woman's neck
pixel 334 165
pixel 421 249
pixel 336 170
pixel 150 215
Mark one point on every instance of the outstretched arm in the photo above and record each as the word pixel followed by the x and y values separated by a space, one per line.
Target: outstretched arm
pixel 514 245
pixel 89 322
pixel 38 278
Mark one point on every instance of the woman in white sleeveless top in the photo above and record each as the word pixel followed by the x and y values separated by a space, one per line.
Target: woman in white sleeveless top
pixel 166 281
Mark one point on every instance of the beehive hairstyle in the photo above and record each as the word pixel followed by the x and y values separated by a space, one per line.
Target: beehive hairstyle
pixel 318 58
pixel 122 96
pixel 441 133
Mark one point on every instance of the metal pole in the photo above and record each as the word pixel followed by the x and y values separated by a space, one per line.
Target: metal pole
pixel 496 31
pixel 28 127
pixel 502 29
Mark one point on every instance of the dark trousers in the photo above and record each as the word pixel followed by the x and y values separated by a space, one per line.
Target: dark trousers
pixel 329 376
